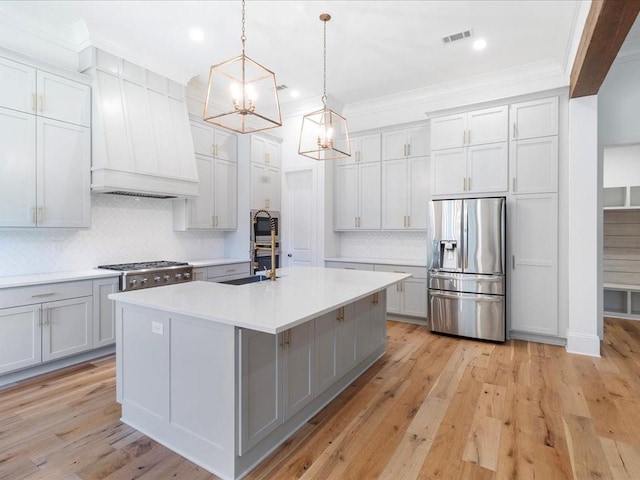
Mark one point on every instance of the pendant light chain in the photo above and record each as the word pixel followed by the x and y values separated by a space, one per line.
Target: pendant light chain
pixel 324 96
pixel 243 37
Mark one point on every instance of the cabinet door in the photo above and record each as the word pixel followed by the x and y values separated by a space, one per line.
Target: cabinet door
pixel 414 297
pixel 104 318
pixel 200 274
pixel 378 320
pixel 225 192
pixel 394 144
pixel 17 86
pixel 67 327
pixel 346 197
pixel 297 368
pixel 226 146
pixel 394 303
pixel 63 174
pixel 394 194
pixel 448 132
pixel 19 337
pixel 418 141
pixel 534 274
pixel 489 125
pixel 369 189
pixel 273 154
pixel 258 149
pixel 63 99
pixel 260 386
pixel 534 165
pixel 200 209
pixel 273 189
pixel 17 169
pixel 448 171
pixel 362 315
pixel 259 186
pixel 487 168
pixel 347 340
pixel 202 139
pixel 537 118
pixel 418 192
pixel 326 349
pixel 368 148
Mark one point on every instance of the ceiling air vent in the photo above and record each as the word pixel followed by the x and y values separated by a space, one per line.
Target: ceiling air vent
pixel 281 87
pixel 456 36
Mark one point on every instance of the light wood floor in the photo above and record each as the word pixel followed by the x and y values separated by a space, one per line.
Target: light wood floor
pixel 434 407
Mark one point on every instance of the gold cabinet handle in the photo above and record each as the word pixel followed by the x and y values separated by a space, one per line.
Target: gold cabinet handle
pixel 514 183
pixel 33 215
pixel 464 184
pixel 515 130
pixel 41 98
pixel 469 183
pixel 408 221
pixel 33 101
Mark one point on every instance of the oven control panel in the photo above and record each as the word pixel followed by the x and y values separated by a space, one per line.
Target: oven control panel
pixel 150 278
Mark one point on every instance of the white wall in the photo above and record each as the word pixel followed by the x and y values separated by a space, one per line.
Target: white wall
pixel 123 229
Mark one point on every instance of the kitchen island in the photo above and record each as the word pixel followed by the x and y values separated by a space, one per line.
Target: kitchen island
pixel 223 374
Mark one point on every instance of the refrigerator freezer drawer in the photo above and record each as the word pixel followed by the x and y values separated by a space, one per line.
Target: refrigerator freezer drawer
pixel 465 282
pixel 467 315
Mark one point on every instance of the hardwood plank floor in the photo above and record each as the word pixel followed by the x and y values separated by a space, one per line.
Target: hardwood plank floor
pixel 434 407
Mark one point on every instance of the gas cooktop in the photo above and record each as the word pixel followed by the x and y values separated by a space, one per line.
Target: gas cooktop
pixel 125 267
pixel 134 276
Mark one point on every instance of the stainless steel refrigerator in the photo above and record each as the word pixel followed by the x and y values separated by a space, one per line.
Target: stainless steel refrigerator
pixel 467 273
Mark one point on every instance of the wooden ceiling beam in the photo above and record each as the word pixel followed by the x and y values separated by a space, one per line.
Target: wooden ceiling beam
pixel 605 30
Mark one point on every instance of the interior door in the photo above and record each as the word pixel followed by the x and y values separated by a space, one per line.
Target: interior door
pixel 300 217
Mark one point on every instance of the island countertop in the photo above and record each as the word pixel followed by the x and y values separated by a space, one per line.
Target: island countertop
pixel 299 294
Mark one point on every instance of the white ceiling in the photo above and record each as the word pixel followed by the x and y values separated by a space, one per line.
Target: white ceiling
pixel 375 48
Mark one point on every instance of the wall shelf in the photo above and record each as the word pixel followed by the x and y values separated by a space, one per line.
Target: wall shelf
pixel 621 300
pixel 621 198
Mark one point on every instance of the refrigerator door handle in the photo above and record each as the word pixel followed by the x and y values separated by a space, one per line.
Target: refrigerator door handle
pixel 453 275
pixel 465 237
pixel 453 295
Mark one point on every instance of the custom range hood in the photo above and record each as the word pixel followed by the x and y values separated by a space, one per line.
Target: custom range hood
pixel 141 136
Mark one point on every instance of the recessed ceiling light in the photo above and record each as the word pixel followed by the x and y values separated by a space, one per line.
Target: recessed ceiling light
pixel 480 44
pixel 295 93
pixel 196 34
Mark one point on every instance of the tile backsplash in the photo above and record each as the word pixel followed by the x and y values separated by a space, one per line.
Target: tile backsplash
pixel 123 229
pixel 378 244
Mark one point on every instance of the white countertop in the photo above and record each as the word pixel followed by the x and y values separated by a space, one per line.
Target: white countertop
pixel 55 277
pixel 217 261
pixel 380 261
pixel 301 294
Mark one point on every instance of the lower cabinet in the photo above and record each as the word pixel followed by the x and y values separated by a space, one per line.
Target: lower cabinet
pixel 20 337
pixel 67 327
pixel 104 317
pixel 281 374
pixel 222 273
pixel 408 297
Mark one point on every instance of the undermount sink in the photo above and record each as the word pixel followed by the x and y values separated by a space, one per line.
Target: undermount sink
pixel 245 280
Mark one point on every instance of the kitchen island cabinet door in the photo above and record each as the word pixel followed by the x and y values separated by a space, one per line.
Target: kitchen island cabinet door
pixel 260 386
pixel 17 169
pixel 67 327
pixel 297 368
pixel 20 337
pixel 347 340
pixel 326 349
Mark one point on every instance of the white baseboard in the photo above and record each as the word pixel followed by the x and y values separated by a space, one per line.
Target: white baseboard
pixel 583 344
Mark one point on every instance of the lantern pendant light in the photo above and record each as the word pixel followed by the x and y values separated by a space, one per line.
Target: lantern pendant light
pixel 324 134
pixel 242 94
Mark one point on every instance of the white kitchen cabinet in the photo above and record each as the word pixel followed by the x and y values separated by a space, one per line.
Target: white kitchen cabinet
pixel 478 127
pixel 357 196
pixel 199 274
pixel 265 151
pixel 260 386
pixel 408 297
pixel 473 169
pixel 364 148
pixel 347 339
pixel 534 264
pixel 405 193
pixel 20 337
pixel 45 178
pixel 37 92
pixel 533 119
pixel 326 349
pixel 534 165
pixel 213 142
pixel 223 272
pixel 265 187
pixel 298 365
pixel 104 317
pixel 349 265
pixel 370 318
pixel 410 142
pixel 216 208
pixel 67 327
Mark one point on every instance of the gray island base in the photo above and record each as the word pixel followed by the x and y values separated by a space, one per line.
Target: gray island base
pixel 224 374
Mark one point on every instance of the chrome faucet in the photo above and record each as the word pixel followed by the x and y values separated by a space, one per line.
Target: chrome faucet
pixel 272 228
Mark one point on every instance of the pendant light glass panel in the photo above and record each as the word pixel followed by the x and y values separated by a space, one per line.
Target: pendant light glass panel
pixel 242 96
pixel 324 136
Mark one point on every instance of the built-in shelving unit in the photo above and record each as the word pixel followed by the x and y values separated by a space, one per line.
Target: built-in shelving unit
pixel 621 300
pixel 620 198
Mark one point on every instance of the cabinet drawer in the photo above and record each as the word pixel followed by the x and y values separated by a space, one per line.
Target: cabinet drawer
pixel 350 265
pixel 44 293
pixel 228 270
pixel 417 272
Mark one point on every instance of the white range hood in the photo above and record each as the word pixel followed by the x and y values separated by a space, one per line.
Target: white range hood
pixel 141 136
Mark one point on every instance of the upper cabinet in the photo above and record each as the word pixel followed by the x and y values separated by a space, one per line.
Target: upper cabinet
pixel 478 127
pixel 216 208
pixel 411 142
pixel 142 141
pixel 405 193
pixel 365 148
pixel 265 173
pixel 45 146
pixel 533 148
pixel 537 118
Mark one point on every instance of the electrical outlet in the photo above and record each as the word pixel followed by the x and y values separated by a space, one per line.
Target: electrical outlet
pixel 157 327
